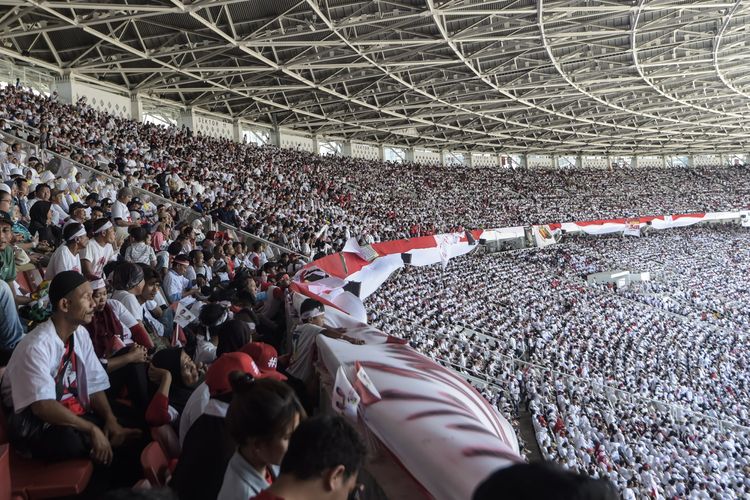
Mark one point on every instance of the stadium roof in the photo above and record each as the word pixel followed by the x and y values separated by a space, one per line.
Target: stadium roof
pixel 564 76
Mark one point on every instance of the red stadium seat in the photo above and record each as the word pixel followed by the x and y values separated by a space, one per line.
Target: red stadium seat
pixel 33 479
pixel 155 464
pixel 168 440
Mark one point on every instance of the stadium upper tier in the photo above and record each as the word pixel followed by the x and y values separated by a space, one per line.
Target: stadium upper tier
pixel 312 203
pixel 596 76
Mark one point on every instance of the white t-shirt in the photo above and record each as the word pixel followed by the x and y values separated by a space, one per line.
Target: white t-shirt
pixel 301 364
pixel 148 317
pixel 140 253
pixel 30 375
pixel 120 211
pixel 174 284
pixel 194 407
pixel 205 351
pixel 98 256
pixel 127 320
pixel 62 260
pixel 130 302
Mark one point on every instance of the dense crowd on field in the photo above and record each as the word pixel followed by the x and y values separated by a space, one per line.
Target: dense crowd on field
pixel 647 385
pixel 124 317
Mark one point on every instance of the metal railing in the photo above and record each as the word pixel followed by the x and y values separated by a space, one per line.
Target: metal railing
pixel 186 213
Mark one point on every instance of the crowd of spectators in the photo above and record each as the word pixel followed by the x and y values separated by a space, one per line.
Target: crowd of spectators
pixel 146 319
pixel 120 321
pixel 311 203
pixel 620 385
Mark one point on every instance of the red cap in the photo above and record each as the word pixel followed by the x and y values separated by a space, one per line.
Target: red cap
pixel 217 376
pixel 266 357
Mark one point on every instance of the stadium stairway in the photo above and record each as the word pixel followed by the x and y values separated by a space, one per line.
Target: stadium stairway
pixel 526 429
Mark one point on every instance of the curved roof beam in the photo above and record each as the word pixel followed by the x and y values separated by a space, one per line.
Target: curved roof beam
pixel 558 67
pixel 175 69
pixel 452 45
pixel 717 45
pixel 435 98
pixel 338 95
pixel 639 68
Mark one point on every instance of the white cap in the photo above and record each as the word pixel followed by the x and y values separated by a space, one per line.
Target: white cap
pixel 4 187
pixel 16 171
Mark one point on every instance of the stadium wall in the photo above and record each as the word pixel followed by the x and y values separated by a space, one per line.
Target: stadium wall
pixel 365 151
pixel 291 141
pixel 427 157
pixel 213 127
pixel 101 100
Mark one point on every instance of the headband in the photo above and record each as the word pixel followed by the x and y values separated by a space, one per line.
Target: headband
pixel 81 232
pixel 106 226
pixel 312 314
pixel 98 284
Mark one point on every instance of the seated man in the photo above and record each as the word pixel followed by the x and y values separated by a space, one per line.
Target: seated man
pixel 11 328
pixel 54 386
pixel 323 461
pixel 99 250
pixel 66 257
pixel 312 314
pixel 176 285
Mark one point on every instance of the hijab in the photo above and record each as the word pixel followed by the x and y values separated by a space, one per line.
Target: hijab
pixel 233 335
pixel 38 216
pixel 179 393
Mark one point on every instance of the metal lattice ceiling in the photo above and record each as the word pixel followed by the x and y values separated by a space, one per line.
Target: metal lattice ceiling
pixel 592 76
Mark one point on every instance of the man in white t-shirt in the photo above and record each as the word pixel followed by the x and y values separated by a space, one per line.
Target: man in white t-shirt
pixel 55 376
pixel 121 214
pixel 99 250
pixel 176 285
pixel 66 257
pixel 312 314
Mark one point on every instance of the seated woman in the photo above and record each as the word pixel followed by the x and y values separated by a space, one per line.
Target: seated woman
pixel 207 446
pixel 58 208
pixel 176 376
pixel 128 282
pixel 211 317
pixel 158 321
pixel 233 335
pixel 112 329
pixel 261 418
pixel 41 223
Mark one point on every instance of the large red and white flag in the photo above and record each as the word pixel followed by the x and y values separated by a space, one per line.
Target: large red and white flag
pixel 632 228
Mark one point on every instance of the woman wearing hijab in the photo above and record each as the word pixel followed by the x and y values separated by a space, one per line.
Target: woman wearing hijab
pixel 112 330
pixel 233 335
pixel 41 223
pixel 176 376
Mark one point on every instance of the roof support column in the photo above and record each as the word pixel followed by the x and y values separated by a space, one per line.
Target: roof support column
pixel 315 144
pixel 64 88
pixel 187 119
pixel 579 161
pixel 346 148
pixel 236 131
pixel 136 107
pixel 409 154
pixel 634 161
pixel 664 161
pixel 275 139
